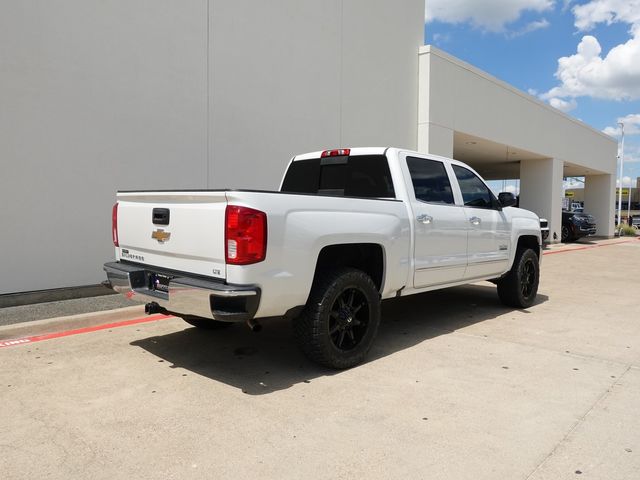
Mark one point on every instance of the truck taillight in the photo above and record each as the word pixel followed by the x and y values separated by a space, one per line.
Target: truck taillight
pixel 245 235
pixel 338 152
pixel 114 225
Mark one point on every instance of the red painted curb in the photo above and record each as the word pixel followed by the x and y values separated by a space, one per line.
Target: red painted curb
pixel 78 331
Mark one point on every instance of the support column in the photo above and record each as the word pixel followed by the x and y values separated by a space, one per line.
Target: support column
pixel 541 191
pixel 435 139
pixel 599 201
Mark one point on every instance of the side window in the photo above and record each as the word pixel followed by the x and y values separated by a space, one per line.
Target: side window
pixel 474 192
pixel 430 181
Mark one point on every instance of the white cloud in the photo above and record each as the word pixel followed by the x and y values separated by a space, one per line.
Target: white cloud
pixel 441 38
pixel 588 15
pixel 572 183
pixel 563 105
pixel 631 153
pixel 626 182
pixel 586 73
pixel 530 27
pixel 490 15
pixel 631 126
pixel 614 76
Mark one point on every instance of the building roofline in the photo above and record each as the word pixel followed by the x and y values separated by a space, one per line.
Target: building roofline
pixel 430 49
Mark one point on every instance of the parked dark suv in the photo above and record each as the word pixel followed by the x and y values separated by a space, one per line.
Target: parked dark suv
pixel 576 225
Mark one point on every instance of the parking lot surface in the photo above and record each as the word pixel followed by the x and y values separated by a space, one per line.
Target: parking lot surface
pixel 457 386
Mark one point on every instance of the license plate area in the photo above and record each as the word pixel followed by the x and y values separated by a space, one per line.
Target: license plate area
pixel 158 282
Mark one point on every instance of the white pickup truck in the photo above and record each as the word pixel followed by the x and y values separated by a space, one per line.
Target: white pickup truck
pixel 348 228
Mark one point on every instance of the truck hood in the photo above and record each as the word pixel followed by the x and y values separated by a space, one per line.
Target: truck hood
pixel 515 212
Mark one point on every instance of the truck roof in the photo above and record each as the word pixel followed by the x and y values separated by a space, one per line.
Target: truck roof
pixel 378 151
pixel 353 152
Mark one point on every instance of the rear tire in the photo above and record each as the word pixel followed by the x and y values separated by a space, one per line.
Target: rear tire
pixel 340 321
pixel 520 286
pixel 206 323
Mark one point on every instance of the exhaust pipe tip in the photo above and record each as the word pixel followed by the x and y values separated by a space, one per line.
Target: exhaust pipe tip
pixel 254 326
pixel 151 308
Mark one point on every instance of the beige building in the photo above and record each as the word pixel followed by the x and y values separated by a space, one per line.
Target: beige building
pixel 101 96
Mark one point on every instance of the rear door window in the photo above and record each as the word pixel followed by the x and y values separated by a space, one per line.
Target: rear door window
pixel 430 181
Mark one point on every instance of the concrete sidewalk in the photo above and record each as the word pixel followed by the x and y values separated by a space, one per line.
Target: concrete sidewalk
pixel 62 308
pixel 457 387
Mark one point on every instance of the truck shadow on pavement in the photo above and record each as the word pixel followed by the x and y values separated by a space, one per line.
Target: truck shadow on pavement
pixel 261 363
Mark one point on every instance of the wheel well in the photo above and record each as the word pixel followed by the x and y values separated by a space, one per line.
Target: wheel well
pixel 367 257
pixel 529 241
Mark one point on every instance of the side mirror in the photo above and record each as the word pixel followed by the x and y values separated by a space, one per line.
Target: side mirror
pixel 507 199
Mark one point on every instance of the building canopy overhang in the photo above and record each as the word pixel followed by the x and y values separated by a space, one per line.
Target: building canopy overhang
pixel 504 133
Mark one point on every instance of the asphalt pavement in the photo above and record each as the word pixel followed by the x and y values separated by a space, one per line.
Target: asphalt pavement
pixel 61 308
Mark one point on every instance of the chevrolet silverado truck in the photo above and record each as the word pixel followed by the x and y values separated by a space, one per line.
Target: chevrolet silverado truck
pixel 347 229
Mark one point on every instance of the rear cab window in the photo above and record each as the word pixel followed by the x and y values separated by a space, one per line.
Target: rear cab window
pixel 361 176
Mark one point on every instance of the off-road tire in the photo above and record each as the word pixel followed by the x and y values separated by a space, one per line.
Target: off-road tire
pixel 206 323
pixel 520 286
pixel 340 320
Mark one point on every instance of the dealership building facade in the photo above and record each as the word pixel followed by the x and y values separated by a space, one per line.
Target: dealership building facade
pixel 101 96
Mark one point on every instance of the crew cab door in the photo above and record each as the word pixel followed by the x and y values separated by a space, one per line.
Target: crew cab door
pixel 440 226
pixel 489 241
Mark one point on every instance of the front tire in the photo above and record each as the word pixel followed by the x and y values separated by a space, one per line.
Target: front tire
pixel 520 286
pixel 565 234
pixel 340 321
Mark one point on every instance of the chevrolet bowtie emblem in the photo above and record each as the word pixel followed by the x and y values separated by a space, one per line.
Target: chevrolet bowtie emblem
pixel 161 235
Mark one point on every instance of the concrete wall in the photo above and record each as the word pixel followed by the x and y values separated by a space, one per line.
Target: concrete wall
pixel 94 96
pixel 291 76
pixel 597 187
pixel 97 96
pixel 541 192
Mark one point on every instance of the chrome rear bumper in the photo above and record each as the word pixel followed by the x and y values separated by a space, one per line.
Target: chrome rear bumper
pixel 185 295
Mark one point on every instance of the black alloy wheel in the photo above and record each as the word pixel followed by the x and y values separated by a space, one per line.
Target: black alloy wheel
pixel 527 277
pixel 519 287
pixel 340 320
pixel 565 234
pixel 348 319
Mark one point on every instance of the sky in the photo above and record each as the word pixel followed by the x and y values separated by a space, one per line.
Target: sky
pixel 580 56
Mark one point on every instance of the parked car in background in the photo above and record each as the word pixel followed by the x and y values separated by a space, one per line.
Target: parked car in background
pixel 576 225
pixel 544 229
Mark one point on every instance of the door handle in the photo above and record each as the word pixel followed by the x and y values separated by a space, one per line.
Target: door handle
pixel 475 220
pixel 426 219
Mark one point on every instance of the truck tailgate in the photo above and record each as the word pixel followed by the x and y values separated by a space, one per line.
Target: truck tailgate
pixel 181 231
